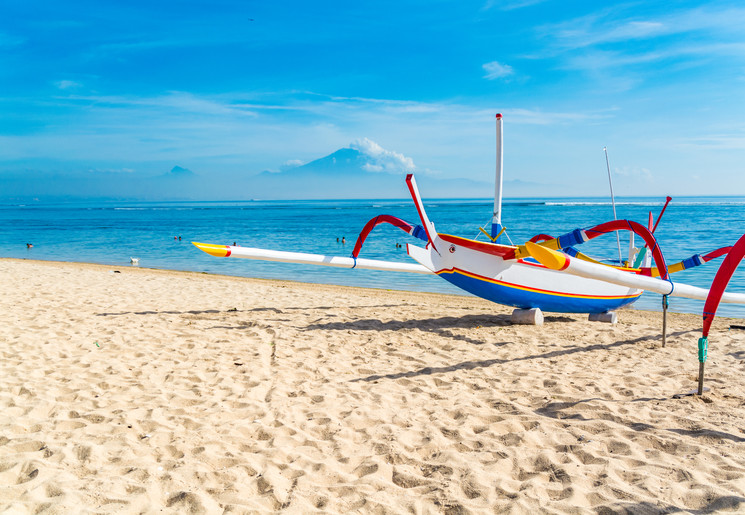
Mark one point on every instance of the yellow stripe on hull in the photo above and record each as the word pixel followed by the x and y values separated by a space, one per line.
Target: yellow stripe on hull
pixel 534 290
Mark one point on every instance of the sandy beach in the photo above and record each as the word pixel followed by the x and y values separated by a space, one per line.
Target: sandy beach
pixel 127 390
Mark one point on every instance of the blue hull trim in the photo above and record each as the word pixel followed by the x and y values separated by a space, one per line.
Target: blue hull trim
pixel 525 299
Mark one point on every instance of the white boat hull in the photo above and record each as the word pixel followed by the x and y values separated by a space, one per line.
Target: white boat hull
pixel 520 283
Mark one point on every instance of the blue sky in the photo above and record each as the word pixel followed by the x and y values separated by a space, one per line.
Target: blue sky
pixel 229 88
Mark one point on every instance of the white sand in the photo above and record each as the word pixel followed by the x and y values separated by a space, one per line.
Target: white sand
pixel 153 391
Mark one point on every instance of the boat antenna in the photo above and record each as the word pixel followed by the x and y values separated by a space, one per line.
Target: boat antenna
pixel 496 221
pixel 613 203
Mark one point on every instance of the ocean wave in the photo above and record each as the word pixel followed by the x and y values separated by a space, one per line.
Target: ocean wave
pixel 651 204
pixel 154 208
pixel 592 203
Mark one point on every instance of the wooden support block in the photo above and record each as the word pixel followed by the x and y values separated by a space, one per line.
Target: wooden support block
pixel 532 316
pixel 609 317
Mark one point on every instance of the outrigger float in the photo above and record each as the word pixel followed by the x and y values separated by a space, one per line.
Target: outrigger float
pixel 543 274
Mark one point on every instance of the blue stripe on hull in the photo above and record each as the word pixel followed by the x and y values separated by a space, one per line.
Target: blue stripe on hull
pixel 519 298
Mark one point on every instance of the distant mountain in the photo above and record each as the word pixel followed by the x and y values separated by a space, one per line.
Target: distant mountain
pixel 353 173
pixel 178 171
pixel 362 170
pixel 344 162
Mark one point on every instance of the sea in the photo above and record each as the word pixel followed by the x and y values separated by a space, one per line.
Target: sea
pixel 159 235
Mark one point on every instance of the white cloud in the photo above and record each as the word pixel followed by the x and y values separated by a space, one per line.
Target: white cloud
pixel 292 163
pixel 110 170
pixel 634 172
pixel 621 50
pixel 596 30
pixel 372 168
pixel 249 132
pixel 495 70
pixel 67 84
pixel 715 142
pixel 172 101
pixel 538 117
pixel 382 160
pixel 509 6
pixel 605 27
pixel 213 133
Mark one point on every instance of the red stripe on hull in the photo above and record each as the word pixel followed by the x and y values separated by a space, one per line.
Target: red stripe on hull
pixel 503 251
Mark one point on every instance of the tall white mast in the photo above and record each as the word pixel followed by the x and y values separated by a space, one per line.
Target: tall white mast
pixel 496 222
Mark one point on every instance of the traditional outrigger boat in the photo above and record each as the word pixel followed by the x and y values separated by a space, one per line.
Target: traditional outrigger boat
pixel 545 273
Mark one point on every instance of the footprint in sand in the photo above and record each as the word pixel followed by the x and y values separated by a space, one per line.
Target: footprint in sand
pixel 187 501
pixel 364 469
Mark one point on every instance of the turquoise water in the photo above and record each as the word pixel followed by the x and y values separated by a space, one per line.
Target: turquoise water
pixel 113 232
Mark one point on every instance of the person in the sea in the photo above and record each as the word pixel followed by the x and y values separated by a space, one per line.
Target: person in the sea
pixel 29 245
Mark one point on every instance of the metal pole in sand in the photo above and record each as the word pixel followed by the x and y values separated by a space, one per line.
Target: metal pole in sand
pixel 664 319
pixel 703 348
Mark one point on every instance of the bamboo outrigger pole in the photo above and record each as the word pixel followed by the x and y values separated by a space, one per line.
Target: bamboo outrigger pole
pixel 308 259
